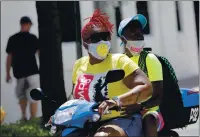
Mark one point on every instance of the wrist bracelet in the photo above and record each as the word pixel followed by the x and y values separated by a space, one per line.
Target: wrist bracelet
pixel 142 106
pixel 118 102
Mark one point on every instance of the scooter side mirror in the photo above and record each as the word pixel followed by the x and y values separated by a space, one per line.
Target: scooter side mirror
pixel 114 75
pixel 37 94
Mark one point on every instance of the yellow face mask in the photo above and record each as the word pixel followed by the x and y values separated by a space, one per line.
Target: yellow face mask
pixel 99 50
pixel 102 50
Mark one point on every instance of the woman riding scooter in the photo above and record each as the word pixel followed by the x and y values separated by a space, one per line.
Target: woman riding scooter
pixel 89 74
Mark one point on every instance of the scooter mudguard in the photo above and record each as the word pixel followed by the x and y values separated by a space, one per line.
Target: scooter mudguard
pixel 190 112
pixel 67 131
pixel 190 97
pixel 83 113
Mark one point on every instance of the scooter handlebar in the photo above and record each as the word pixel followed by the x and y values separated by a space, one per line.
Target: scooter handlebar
pixel 116 108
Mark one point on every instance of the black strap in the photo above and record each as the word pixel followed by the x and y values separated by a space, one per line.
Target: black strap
pixel 164 63
pixel 71 94
pixel 142 62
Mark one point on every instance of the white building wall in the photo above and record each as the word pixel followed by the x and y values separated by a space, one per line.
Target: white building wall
pixel 11 12
pixel 179 47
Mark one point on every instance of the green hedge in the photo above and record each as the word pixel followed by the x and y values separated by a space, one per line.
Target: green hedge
pixel 28 128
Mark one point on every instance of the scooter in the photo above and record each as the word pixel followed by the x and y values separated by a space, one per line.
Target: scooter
pixel 188 114
pixel 77 117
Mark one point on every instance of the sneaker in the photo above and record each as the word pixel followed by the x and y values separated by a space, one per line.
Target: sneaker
pixel 23 119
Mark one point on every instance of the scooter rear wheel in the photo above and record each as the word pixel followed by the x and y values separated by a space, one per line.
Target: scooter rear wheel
pixel 168 133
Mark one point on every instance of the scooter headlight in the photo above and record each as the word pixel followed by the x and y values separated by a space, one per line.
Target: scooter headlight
pixel 95 117
pixel 62 116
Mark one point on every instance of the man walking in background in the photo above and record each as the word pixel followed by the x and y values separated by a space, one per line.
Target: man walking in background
pixel 21 50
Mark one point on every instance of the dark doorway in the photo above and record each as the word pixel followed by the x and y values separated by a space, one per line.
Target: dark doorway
pixel 196 11
pixel 142 8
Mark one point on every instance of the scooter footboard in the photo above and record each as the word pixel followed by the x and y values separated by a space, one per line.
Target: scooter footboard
pixel 70 132
pixel 190 111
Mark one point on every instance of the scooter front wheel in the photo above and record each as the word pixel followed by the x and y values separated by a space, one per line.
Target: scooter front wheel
pixel 76 133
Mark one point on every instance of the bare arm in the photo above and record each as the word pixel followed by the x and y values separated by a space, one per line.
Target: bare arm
pixel 37 46
pixel 141 88
pixel 8 63
pixel 157 95
pixel 8 67
pixel 156 77
pixel 155 100
pixel 38 52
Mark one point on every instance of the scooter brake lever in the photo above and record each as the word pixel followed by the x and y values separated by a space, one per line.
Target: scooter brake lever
pixel 49 122
pixel 95 107
pixel 46 125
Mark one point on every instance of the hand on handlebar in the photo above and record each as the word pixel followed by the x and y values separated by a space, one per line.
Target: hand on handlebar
pixel 131 109
pixel 106 105
pixel 49 122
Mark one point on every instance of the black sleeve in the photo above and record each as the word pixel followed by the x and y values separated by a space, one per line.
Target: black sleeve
pixel 36 43
pixel 9 48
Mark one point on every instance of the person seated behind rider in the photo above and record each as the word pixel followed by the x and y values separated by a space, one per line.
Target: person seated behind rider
pixel 89 75
pixel 131 33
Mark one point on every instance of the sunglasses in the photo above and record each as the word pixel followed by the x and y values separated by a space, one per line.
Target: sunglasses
pixel 99 36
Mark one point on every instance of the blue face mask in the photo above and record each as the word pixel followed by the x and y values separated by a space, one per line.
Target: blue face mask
pixel 100 49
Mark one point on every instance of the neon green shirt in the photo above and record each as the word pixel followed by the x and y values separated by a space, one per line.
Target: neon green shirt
pixel 154 67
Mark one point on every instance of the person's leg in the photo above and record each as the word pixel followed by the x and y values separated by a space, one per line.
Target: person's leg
pixel 122 127
pixel 152 123
pixel 150 126
pixel 20 92
pixel 110 130
pixel 23 105
pixel 33 82
pixel 33 109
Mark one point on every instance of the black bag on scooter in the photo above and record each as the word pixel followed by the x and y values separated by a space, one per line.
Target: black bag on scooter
pixel 172 107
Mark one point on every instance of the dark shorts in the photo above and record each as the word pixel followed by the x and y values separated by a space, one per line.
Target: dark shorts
pixel 131 126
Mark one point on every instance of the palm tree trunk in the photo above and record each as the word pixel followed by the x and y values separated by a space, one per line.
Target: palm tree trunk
pixel 51 67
